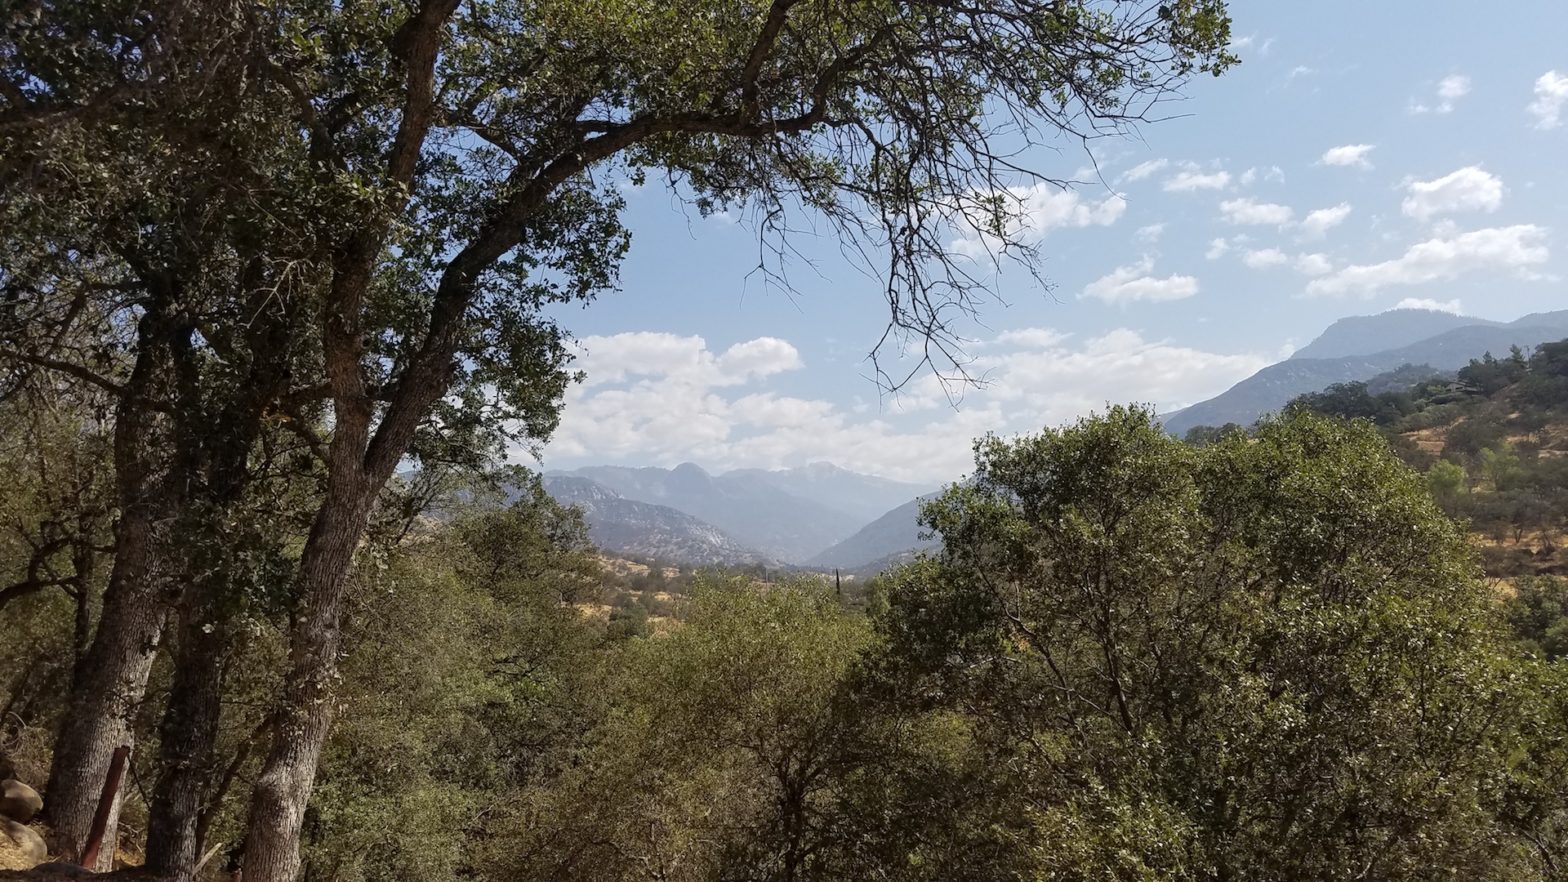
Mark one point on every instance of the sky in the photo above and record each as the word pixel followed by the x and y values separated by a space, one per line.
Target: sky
pixel 1364 156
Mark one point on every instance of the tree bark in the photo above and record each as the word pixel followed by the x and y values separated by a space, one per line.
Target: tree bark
pixel 214 441
pixel 277 811
pixel 188 735
pixel 114 671
pixel 114 678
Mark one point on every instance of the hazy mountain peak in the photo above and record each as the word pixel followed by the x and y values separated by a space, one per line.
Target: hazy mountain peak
pixel 1315 367
pixel 1361 335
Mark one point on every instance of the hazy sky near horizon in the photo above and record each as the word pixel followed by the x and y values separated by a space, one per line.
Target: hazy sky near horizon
pixel 1363 156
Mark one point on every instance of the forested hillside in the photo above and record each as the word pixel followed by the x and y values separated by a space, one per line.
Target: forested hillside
pixel 297 297
pixel 1492 439
pixel 1203 636
pixel 1360 348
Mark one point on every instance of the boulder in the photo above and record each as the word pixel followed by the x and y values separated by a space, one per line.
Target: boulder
pixel 19 802
pixel 21 848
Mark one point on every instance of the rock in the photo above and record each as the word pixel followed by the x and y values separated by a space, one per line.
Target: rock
pixel 21 848
pixel 19 802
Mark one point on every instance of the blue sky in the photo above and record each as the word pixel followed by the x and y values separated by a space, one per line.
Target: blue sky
pixel 1364 155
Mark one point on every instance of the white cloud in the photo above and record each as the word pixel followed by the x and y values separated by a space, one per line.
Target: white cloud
pixel 1249 212
pixel 1191 179
pixel 1265 258
pixel 1034 211
pixel 1038 377
pixel 1453 87
pixel 1250 42
pixel 1218 248
pixel 1299 71
pixel 1151 233
pixel 1144 169
pixel 1037 338
pixel 1349 155
pixel 1468 189
pixel 1428 303
pixel 1317 223
pixel 627 356
pixel 1446 257
pixel 1449 90
pixel 1313 264
pixel 1551 96
pixel 1131 284
pixel 1272 173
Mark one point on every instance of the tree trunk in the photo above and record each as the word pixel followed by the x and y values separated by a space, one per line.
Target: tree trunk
pixel 103 705
pixel 277 810
pixel 113 674
pixel 188 739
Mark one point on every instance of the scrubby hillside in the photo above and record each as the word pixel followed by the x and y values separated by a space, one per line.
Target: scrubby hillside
pixel 1492 439
pixel 1360 348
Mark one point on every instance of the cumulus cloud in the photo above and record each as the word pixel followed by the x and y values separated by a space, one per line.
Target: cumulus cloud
pixel 1468 189
pixel 1249 212
pixel 1317 223
pixel 1428 303
pixel 1551 96
pixel 1449 90
pixel 1349 155
pixel 1035 211
pixel 1513 249
pixel 1190 180
pixel 1218 248
pixel 1131 284
pixel 1145 169
pixel 1265 258
pixel 1151 233
pixel 1038 377
pixel 688 359
pixel 1314 264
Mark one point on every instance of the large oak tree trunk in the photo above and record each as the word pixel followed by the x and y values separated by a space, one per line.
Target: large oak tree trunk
pixel 113 673
pixel 277 810
pixel 113 680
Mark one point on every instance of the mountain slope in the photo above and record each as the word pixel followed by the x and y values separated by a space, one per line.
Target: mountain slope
pixel 1366 334
pixel 1274 386
pixel 862 496
pixel 887 537
pixel 754 512
pixel 629 527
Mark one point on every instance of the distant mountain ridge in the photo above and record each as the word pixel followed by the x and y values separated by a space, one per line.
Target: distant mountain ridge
pixel 1367 334
pixel 893 534
pixel 1447 349
pixel 639 529
pixel 864 496
pixel 752 510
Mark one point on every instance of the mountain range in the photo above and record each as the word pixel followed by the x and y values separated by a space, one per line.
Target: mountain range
pixel 884 539
pixel 789 516
pixel 640 529
pixel 1362 347
pixel 822 517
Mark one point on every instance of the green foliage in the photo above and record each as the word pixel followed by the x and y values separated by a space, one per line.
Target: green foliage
pixel 1448 483
pixel 716 757
pixel 469 677
pixel 1538 613
pixel 1268 658
pixel 1503 463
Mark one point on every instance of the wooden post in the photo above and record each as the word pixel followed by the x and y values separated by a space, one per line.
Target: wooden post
pixel 111 788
